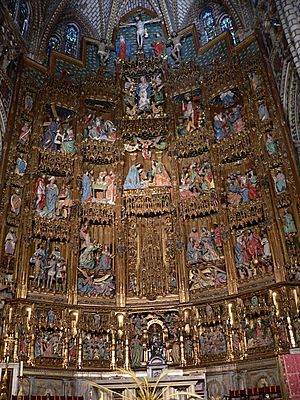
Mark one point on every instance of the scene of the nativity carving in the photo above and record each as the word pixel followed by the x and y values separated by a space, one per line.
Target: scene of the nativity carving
pixel 155 175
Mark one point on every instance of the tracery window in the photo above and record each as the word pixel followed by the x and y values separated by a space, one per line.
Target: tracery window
pixel 226 24
pixel 53 44
pixel 71 40
pixel 20 11
pixel 23 17
pixel 208 22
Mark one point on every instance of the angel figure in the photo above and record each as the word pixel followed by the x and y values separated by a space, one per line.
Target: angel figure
pixel 147 144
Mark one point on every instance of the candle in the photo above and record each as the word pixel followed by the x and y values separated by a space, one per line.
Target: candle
pixel 21 369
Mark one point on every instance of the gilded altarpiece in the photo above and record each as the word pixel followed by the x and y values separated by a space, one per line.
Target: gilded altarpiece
pixel 169 190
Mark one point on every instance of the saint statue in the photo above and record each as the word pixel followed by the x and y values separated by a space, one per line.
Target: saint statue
pixel 10 242
pixel 132 180
pixel 123 48
pixel 52 192
pixel 21 165
pixel 144 91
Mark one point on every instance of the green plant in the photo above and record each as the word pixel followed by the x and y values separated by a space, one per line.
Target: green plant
pixel 146 390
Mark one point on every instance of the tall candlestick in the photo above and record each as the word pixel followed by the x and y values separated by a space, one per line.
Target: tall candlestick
pixel 21 368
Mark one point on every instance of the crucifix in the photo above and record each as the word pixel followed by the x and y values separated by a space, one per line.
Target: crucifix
pixel 140 28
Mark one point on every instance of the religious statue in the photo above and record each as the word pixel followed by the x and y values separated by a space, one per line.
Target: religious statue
pixel 228 122
pixel 263 112
pixel 103 51
pixel 196 178
pixel 103 285
pixel 86 194
pixel 51 317
pixel 72 350
pixel 16 202
pixel 212 341
pixel 144 92
pixel 96 128
pixel 288 223
pixel 188 348
pixel 129 97
pixel 141 32
pixel 160 176
pixel 218 126
pixel 105 259
pixel 271 144
pixel 38 260
pixel 68 143
pixel 227 98
pixel 52 193
pixel 84 235
pixel 123 48
pixel 25 133
pixel 28 102
pixel 183 126
pixel 119 352
pixel 190 110
pixel 10 242
pixel 255 81
pixel 50 132
pixel 136 352
pixel 204 246
pixel 159 47
pixel 241 188
pixel 132 180
pixel 21 165
pixel 156 344
pixel 145 145
pixel 258 333
pixel 280 181
pixel 110 192
pixel 64 201
pixel 252 253
pixel 40 193
pixel 176 47
pixel 55 270
pixel 87 258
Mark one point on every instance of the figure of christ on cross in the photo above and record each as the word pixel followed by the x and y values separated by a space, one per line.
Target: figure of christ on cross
pixel 140 28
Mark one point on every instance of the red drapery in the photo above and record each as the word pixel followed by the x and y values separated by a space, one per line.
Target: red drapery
pixel 290 368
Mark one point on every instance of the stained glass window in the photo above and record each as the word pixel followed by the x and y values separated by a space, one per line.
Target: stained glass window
pixel 208 24
pixel 23 17
pixel 53 44
pixel 227 25
pixel 71 44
